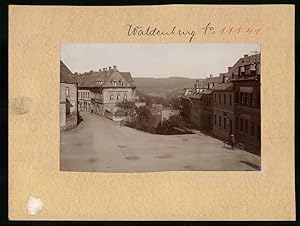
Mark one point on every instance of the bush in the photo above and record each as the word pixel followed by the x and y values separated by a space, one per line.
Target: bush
pixel 143 121
pixel 174 125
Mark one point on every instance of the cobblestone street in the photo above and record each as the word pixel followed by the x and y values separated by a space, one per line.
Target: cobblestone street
pixel 101 145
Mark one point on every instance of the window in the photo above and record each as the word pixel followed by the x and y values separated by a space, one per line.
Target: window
pixel 251 99
pixel 215 119
pixel 225 121
pixel 247 70
pixel 236 123
pixel 215 97
pixel 118 96
pixel 219 98
pixel 220 123
pixel 246 99
pixel 242 70
pixel 67 91
pixel 125 96
pixel 111 96
pixel 246 125
pixel 252 128
pixel 122 83
pixel 230 101
pixel 224 101
pixel 241 124
pixel 242 98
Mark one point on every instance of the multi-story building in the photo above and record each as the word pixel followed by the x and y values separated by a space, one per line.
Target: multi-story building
pixel 68 98
pixel 101 90
pixel 223 110
pixel 186 104
pixel 198 103
pixel 223 105
pixel 228 104
pixel 247 102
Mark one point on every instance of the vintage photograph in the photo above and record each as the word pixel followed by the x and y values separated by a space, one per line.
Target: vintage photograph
pixel 160 107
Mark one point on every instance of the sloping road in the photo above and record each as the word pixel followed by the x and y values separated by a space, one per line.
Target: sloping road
pixel 101 145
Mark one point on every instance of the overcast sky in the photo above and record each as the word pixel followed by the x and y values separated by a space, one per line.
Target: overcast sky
pixel 156 60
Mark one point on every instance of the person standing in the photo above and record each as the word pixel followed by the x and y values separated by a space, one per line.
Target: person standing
pixel 232 141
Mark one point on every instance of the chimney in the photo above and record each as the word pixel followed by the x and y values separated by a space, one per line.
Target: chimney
pixel 76 73
pixel 91 71
pixel 109 68
pixel 222 77
pixel 245 55
pixel 210 76
pixel 100 70
pixel 229 68
pixel 115 67
pixel 197 84
pixel 103 69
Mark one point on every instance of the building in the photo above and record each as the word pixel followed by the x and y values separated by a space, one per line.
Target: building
pixel 186 104
pixel 68 99
pixel 229 104
pixel 198 103
pixel 196 106
pixel 100 91
pixel 223 110
pixel 247 102
pixel 207 102
pixel 223 105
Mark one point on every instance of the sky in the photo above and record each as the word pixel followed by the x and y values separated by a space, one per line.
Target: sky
pixel 156 60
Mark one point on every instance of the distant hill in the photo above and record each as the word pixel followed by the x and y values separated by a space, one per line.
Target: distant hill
pixel 163 86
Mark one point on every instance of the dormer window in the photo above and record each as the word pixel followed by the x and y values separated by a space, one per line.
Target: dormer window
pixel 113 83
pixel 242 70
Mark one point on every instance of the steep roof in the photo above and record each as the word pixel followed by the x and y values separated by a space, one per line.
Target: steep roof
pixel 246 60
pixel 91 79
pixel 66 76
pixel 127 76
pixel 207 91
pixel 223 86
pixel 96 79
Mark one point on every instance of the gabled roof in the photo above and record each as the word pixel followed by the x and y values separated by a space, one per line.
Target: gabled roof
pixel 207 91
pixel 95 79
pixel 223 86
pixel 195 95
pixel 91 79
pixel 66 76
pixel 127 76
pixel 234 70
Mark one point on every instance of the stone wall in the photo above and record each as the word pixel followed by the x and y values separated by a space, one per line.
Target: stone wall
pixel 71 121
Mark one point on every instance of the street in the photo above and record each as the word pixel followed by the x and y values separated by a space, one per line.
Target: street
pixel 101 145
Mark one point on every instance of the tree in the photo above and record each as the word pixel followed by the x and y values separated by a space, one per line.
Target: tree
pixel 176 103
pixel 144 120
pixel 126 105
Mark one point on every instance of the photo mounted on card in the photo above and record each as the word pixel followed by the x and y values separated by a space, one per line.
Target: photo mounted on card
pixel 152 113
pixel 159 112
